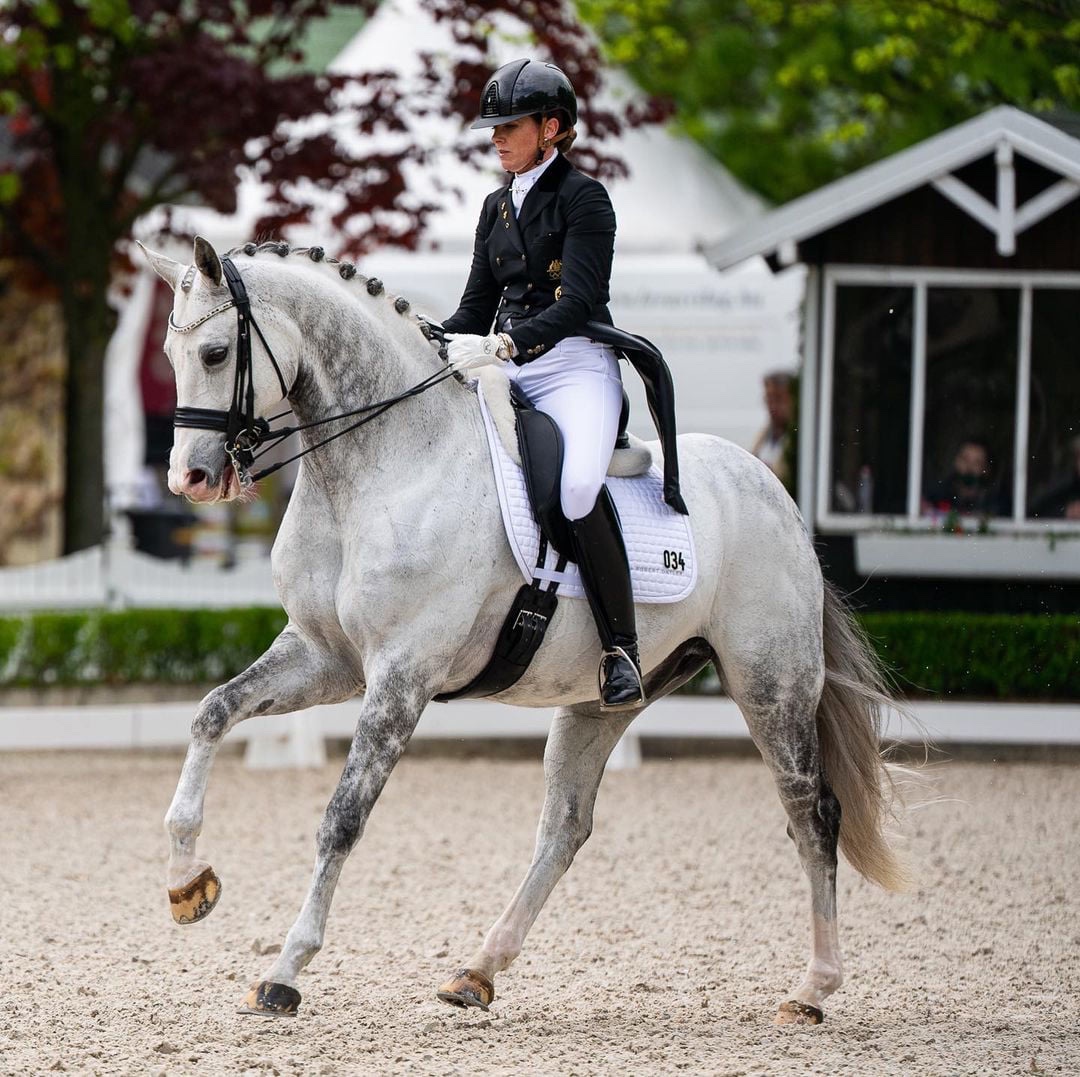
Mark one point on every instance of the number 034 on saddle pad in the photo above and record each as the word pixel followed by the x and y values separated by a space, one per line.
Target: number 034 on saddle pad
pixel 658 540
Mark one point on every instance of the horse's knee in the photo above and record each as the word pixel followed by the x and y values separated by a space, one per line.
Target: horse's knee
pixel 578 496
pixel 211 720
pixel 565 834
pixel 340 829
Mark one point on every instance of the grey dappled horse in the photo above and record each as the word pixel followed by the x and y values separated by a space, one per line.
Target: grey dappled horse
pixel 392 565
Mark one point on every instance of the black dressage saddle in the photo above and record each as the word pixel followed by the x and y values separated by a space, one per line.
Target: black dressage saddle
pixel 541 447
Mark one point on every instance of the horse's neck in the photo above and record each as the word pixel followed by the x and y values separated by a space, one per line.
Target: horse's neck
pixel 351 360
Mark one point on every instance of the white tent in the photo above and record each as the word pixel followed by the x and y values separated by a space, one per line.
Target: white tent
pixel 719 332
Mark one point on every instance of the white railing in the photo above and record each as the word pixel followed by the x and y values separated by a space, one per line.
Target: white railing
pixel 115 578
pixel 290 740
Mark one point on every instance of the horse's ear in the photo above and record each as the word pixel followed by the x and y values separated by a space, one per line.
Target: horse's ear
pixel 207 260
pixel 168 270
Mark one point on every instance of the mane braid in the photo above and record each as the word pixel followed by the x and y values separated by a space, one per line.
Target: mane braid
pixel 346 270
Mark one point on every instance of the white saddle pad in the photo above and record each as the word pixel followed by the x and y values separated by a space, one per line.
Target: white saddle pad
pixel 658 540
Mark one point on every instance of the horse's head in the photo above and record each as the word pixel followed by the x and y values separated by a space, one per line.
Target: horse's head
pixel 204 347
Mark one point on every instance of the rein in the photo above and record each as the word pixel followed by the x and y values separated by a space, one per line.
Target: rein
pixel 244 431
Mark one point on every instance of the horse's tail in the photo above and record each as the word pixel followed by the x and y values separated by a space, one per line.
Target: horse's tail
pixel 850 717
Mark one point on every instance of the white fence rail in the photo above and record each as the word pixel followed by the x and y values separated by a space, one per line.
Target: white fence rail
pixel 299 739
pixel 115 577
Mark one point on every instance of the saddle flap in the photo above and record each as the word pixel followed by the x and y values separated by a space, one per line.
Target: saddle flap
pixel 540 443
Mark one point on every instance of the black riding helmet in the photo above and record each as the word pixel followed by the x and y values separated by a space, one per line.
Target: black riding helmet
pixel 522 88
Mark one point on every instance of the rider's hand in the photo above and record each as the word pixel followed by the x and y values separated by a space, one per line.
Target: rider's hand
pixel 466 351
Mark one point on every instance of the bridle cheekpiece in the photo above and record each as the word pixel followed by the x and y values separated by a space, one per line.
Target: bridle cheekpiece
pixel 244 431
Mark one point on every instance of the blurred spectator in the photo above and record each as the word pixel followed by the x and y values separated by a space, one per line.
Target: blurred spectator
pixel 771 445
pixel 1062 500
pixel 969 488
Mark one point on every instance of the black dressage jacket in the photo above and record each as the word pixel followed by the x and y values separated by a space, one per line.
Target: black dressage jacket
pixel 546 271
pixel 544 276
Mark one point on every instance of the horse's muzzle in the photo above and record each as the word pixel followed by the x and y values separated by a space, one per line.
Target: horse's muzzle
pixel 199 485
pixel 202 472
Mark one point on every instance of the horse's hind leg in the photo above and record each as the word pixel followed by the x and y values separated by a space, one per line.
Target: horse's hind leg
pixel 291 675
pixel 578 746
pixel 777 685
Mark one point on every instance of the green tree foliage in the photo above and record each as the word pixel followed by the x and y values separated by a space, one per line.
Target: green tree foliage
pixel 791 94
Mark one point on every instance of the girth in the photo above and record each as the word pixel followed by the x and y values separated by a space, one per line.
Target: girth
pixel 523 631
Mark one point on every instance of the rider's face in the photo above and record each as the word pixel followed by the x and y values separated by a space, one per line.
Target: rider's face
pixel 517 141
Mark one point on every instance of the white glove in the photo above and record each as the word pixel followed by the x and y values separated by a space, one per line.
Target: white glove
pixel 467 351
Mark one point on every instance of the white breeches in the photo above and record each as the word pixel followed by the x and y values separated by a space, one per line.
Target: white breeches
pixel 577 383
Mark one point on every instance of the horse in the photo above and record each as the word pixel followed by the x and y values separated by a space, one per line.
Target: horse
pixel 393 568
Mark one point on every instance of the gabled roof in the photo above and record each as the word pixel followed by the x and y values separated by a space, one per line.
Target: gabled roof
pixel 1044 141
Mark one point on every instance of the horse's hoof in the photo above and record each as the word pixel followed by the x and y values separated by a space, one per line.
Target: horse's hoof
pixel 467 987
pixel 194 902
pixel 268 999
pixel 798 1013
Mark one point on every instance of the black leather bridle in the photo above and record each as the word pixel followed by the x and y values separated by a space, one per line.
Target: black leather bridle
pixel 245 432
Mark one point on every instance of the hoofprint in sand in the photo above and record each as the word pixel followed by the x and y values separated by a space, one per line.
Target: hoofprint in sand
pixel 670 938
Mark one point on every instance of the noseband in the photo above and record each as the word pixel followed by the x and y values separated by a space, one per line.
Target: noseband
pixel 244 431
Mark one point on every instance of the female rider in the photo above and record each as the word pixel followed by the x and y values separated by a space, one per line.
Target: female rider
pixel 540 270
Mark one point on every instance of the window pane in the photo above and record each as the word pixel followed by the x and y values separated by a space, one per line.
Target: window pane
pixel 970 421
pixel 871 399
pixel 1054 433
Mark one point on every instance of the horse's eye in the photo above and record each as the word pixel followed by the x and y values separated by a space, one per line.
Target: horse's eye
pixel 214 354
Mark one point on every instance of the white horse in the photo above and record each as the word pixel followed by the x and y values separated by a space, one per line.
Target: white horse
pixel 392 565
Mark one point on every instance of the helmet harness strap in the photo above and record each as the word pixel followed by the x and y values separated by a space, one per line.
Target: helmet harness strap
pixel 543 143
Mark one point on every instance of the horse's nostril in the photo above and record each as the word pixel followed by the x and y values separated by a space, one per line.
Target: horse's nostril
pixel 196 476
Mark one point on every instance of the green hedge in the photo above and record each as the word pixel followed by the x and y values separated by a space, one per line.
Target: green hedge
pixel 133 646
pixel 949 655
pixel 982 656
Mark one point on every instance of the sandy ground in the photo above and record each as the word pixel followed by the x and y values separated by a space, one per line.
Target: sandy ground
pixel 665 949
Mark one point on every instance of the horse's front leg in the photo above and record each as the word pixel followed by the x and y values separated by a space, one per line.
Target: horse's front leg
pixel 580 741
pixel 391 708
pixel 293 674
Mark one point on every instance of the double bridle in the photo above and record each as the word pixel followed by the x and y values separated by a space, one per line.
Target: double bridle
pixel 244 431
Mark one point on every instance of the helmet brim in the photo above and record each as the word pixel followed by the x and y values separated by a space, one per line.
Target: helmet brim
pixel 494 121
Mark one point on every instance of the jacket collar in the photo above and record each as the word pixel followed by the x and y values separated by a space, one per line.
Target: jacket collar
pixel 544 190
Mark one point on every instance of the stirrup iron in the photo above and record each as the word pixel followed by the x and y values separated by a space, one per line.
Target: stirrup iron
pixel 616 651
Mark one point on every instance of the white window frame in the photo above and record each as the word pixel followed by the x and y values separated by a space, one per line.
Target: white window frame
pixel 920 279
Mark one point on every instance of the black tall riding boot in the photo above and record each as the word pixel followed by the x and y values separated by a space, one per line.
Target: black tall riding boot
pixel 605 573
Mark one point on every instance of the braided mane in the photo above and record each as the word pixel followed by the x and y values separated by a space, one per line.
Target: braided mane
pixel 346 270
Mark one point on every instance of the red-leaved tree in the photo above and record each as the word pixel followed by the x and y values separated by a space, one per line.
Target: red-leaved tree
pixel 114 107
